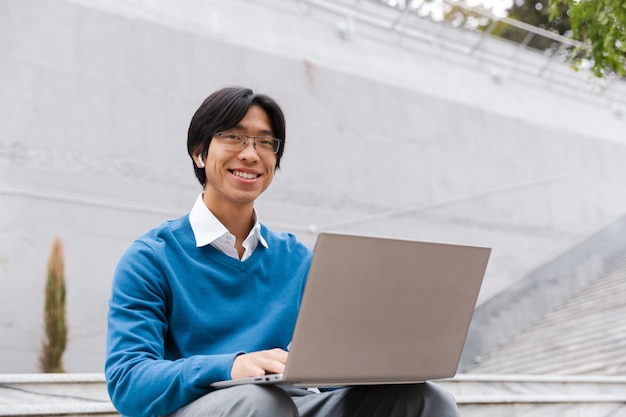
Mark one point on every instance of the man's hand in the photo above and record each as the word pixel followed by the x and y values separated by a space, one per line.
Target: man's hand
pixel 259 363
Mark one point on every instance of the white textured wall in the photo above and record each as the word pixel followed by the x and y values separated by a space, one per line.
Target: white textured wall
pixel 96 97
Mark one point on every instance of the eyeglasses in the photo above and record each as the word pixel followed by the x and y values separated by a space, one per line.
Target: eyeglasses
pixel 238 141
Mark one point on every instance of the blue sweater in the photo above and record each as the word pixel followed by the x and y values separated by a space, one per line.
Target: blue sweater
pixel 178 314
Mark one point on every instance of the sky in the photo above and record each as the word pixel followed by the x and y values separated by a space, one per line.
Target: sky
pixel 435 9
pixel 498 7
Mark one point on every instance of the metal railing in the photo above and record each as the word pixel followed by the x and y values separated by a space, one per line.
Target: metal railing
pixel 412 25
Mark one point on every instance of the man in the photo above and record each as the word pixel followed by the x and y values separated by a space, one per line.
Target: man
pixel 214 294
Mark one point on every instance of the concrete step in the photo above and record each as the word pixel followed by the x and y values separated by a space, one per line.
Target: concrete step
pixel 538 395
pixel 586 334
pixel 477 395
pixel 54 395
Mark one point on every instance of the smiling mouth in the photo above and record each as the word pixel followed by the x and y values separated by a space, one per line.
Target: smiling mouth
pixel 245 175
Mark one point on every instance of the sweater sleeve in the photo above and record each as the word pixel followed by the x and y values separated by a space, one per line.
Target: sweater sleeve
pixel 140 380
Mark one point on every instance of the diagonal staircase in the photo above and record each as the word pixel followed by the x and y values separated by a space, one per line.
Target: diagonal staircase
pixel 584 335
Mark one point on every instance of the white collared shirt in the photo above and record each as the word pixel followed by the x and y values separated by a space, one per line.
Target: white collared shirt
pixel 208 230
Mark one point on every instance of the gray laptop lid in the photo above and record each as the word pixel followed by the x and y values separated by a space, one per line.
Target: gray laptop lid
pixel 384 311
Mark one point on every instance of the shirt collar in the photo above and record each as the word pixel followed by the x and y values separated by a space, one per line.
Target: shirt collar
pixel 207 228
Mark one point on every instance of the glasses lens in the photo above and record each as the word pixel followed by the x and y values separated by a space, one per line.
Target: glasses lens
pixel 231 139
pixel 262 144
pixel 266 144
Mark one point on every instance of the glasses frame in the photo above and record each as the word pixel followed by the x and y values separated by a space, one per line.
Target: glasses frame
pixel 244 143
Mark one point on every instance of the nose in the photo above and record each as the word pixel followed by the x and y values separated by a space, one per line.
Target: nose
pixel 248 152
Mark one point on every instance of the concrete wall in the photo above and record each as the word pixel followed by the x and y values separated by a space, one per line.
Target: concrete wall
pixel 388 138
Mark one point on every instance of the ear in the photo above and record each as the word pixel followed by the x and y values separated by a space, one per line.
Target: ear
pixel 199 161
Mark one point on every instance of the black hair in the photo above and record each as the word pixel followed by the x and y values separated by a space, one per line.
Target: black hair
pixel 222 110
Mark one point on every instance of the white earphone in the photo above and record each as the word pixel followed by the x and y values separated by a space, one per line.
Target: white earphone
pixel 200 162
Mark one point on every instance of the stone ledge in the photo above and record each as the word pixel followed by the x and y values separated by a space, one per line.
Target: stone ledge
pixel 72 409
pixel 541 399
pixel 535 389
pixel 477 395
pixel 40 378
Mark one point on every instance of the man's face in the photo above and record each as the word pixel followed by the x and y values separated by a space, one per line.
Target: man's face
pixel 239 176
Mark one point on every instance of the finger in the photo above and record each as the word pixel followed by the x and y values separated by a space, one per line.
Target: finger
pixel 246 366
pixel 259 363
pixel 272 361
pixel 278 355
pixel 273 367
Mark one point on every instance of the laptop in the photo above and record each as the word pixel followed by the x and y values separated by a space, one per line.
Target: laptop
pixel 381 311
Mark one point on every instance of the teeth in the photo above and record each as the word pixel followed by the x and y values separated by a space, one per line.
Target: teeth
pixel 245 175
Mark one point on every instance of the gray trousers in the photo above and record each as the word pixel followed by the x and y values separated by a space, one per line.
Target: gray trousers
pixel 418 400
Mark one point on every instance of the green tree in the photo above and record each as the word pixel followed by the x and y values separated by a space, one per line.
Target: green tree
pixel 535 13
pixel 601 26
pixel 51 359
pixel 459 15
